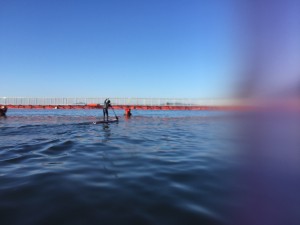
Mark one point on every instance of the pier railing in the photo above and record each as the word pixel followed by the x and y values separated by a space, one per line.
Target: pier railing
pixel 117 101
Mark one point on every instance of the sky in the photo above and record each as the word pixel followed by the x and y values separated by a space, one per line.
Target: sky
pixel 117 48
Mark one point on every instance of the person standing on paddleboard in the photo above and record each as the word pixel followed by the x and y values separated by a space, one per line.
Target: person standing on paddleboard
pixel 105 108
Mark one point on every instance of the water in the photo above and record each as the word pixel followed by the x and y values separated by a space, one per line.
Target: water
pixel 157 167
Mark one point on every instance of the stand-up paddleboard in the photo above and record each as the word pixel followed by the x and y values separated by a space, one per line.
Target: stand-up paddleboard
pixel 106 121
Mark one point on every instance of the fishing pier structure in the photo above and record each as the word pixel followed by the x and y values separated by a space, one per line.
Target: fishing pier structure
pixel 120 103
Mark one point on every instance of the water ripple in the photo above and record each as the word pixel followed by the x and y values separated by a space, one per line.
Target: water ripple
pixel 155 169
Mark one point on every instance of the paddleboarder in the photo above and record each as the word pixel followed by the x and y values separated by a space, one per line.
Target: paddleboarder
pixel 105 108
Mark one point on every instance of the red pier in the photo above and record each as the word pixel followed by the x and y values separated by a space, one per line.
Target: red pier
pixel 132 107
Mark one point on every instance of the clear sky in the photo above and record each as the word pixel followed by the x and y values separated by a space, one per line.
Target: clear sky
pixel 117 48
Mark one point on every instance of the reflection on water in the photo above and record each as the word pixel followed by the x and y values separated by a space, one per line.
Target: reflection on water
pixel 106 132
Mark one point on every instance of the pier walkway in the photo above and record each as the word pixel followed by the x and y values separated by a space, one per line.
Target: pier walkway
pixel 119 103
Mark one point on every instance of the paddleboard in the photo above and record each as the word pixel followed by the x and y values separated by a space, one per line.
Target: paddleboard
pixel 106 121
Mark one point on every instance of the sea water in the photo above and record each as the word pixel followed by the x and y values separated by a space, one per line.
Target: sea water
pixel 156 167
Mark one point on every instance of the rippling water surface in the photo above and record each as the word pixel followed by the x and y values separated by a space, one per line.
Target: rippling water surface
pixel 172 167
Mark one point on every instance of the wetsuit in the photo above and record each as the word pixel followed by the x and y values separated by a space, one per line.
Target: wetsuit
pixel 105 108
pixel 3 111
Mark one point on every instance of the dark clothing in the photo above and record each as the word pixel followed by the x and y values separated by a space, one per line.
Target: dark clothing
pixel 105 108
pixel 3 111
pixel 105 112
pixel 106 104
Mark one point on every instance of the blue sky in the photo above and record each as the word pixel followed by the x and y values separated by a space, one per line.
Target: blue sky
pixel 117 48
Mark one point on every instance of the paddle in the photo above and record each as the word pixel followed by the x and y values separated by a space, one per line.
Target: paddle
pixel 114 113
